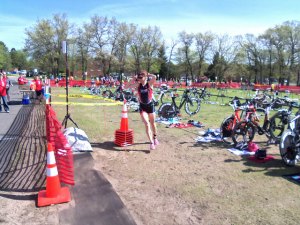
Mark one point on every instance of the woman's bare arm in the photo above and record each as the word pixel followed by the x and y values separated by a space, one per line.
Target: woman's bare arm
pixel 152 80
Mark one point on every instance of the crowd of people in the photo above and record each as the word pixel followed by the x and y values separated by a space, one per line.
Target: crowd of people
pixel 36 85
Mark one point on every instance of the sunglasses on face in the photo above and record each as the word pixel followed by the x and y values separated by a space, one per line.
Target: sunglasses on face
pixel 140 77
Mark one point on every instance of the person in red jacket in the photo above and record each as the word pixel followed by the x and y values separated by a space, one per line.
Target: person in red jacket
pixel 3 94
pixel 21 80
pixel 8 85
pixel 38 88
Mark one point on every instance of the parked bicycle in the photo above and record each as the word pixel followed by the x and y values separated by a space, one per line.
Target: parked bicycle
pixel 107 93
pixel 279 122
pixel 164 95
pixel 290 142
pixel 256 120
pixel 201 95
pixel 171 109
pixel 96 90
pixel 244 131
pixel 119 94
pixel 228 124
pixel 263 97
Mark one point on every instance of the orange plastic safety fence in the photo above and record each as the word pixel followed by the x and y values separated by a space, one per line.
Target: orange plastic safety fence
pixel 62 150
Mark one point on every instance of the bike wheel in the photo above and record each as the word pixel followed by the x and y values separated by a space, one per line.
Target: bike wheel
pixel 243 132
pixel 92 91
pixel 97 91
pixel 107 94
pixel 278 124
pixel 260 116
pixel 226 129
pixel 195 94
pixel 166 111
pixel 127 95
pixel 288 150
pixel 192 106
pixel 118 96
pixel 206 96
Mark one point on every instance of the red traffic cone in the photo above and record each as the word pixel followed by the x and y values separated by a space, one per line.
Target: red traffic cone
pixel 54 193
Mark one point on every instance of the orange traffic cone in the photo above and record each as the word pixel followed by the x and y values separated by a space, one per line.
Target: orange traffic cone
pixel 124 135
pixel 54 193
pixel 124 118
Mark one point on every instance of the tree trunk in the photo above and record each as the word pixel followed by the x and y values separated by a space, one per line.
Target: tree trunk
pixel 82 63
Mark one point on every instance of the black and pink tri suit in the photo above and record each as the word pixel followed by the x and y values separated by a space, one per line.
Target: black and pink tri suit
pixel 145 93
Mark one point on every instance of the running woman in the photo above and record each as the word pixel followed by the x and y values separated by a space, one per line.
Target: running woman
pixel 143 83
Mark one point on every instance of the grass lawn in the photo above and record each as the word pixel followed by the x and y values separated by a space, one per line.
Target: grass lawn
pixel 93 119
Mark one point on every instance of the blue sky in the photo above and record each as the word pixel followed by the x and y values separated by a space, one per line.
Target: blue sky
pixel 231 17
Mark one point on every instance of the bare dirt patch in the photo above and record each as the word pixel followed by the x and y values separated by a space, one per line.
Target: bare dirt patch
pixel 183 182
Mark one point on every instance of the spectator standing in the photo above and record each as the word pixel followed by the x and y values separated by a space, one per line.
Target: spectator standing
pixel 3 94
pixel 56 81
pixel 272 87
pixel 93 82
pixel 97 82
pixel 8 85
pixel 20 79
pixel 38 88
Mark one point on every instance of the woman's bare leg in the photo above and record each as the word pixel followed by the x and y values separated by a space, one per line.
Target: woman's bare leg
pixel 152 123
pixel 145 118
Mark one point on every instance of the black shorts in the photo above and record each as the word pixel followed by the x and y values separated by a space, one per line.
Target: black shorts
pixel 148 108
pixel 38 93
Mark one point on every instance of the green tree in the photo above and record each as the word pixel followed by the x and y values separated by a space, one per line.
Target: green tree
pixel 203 46
pixel 163 61
pixel 151 45
pixel 215 70
pixel 123 41
pixel 44 42
pixel 291 30
pixel 5 61
pixel 83 46
pixel 186 51
pixel 18 59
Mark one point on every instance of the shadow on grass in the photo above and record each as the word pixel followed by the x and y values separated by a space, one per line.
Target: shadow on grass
pixel 111 146
pixel 273 168
pixel 215 144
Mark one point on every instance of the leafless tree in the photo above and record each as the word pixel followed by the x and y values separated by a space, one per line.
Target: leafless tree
pixel 203 46
pixel 172 46
pixel 187 40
